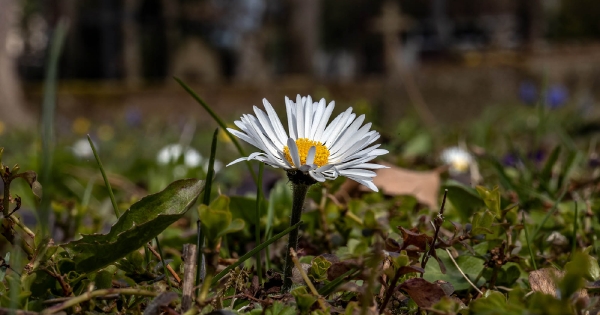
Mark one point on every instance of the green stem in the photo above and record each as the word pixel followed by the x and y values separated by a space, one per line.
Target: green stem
pixel 110 192
pixel 257 225
pixel 253 252
pixel 220 123
pixel 6 198
pixel 90 295
pixel 162 260
pixel 299 191
pixel 205 200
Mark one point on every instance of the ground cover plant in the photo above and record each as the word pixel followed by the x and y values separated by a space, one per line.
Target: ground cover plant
pixel 511 228
pixel 499 217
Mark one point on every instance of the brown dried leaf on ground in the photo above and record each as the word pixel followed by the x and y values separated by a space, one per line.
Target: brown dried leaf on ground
pixel 423 292
pixel 545 280
pixel 394 181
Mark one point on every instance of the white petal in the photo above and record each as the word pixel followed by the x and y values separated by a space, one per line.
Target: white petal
pixel 237 161
pixel 275 121
pixel 319 110
pixel 317 176
pixel 291 112
pixel 333 130
pixel 308 116
pixel 243 136
pixel 347 135
pixel 310 158
pixel 268 127
pixel 323 122
pixel 341 126
pixel 357 173
pixel 300 117
pixel 294 152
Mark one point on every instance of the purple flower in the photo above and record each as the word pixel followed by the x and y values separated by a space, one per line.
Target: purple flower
pixel 133 116
pixel 556 96
pixel 528 92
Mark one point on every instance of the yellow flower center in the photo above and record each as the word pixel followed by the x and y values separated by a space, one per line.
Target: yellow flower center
pixel 304 144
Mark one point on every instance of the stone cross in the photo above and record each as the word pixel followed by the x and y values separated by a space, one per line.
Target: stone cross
pixel 390 23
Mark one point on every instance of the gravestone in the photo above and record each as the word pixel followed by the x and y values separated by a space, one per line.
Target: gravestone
pixel 12 104
pixel 390 24
pixel 195 61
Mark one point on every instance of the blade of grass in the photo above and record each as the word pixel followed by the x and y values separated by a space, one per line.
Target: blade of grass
pixel 330 287
pixel 110 192
pixel 575 218
pixel 253 252
pixel 528 240
pixel 257 225
pixel 220 123
pixel 549 214
pixel 48 109
pixel 162 260
pixel 205 200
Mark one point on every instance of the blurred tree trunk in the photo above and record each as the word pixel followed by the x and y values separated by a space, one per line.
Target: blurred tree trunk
pixel 131 46
pixel 531 16
pixel 305 23
pixel 12 103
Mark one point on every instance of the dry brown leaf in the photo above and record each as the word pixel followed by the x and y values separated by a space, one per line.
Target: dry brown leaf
pixel 545 280
pixel 423 292
pixel 394 181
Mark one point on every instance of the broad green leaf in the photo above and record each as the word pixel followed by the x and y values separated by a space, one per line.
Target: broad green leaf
pixel 482 222
pixel 470 265
pixel 491 198
pixel 464 199
pixel 318 268
pixel 138 225
pixel 582 266
pixel 547 170
pixel 304 300
pixel 245 209
pixel 493 302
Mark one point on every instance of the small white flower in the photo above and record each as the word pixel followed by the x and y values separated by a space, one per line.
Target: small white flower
pixel 172 153
pixel 82 149
pixel 192 158
pixel 458 159
pixel 313 147
pixel 169 154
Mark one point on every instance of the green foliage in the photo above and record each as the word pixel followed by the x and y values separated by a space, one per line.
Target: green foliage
pixel 137 226
pixel 217 220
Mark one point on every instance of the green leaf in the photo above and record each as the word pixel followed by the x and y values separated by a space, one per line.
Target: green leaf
pixel 5 264
pixel 582 266
pixel 304 300
pixel 245 209
pixel 31 178
pixel 464 199
pixel 470 265
pixel 138 225
pixel 318 268
pixel 547 170
pixel 491 198
pixel 482 222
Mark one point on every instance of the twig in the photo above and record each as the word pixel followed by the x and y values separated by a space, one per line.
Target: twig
pixel 189 268
pixel 90 295
pixel 312 288
pixel 462 273
pixel 438 223
pixel 157 255
pixel 7 311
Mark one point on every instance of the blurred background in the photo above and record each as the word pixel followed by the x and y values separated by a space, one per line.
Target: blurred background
pixel 507 80
pixel 481 68
pixel 450 58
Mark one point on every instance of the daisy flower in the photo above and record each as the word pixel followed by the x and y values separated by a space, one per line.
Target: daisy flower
pixel 312 150
pixel 458 159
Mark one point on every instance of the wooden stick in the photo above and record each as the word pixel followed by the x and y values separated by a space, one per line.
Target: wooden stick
pixel 157 255
pixel 189 275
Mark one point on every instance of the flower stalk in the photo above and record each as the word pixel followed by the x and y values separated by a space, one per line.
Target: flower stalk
pixel 299 195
